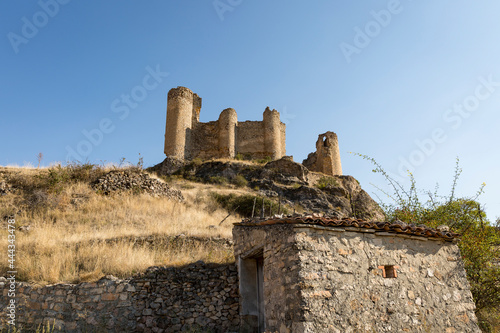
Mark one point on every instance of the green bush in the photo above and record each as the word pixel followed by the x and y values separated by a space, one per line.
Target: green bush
pixel 197 161
pixel 239 181
pixel 323 182
pixel 264 160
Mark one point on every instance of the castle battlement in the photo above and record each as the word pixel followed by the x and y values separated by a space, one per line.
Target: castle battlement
pixel 187 138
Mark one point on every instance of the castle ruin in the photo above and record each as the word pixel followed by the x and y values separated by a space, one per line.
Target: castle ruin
pixel 187 138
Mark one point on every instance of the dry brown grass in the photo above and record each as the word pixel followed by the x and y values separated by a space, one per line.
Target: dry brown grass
pixel 71 228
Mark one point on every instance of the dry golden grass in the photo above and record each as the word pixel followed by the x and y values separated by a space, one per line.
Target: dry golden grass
pixel 71 229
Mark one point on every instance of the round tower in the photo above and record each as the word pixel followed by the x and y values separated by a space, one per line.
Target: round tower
pixel 328 154
pixel 183 109
pixel 228 120
pixel 272 134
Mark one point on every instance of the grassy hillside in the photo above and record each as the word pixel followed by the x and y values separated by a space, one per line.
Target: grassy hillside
pixel 68 231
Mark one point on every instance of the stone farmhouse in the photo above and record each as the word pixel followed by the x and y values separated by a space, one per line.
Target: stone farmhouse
pixel 318 274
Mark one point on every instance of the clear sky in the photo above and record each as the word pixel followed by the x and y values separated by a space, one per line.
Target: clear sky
pixel 413 84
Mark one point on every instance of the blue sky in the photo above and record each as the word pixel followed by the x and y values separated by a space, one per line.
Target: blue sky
pixel 411 84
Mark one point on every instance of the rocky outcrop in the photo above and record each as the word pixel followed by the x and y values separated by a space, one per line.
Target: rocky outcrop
pixel 288 168
pixel 343 198
pixel 338 196
pixel 131 180
pixel 169 166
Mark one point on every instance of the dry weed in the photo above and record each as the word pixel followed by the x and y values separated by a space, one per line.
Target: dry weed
pixel 68 239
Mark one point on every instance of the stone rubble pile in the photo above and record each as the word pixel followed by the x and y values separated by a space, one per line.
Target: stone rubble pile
pixel 130 180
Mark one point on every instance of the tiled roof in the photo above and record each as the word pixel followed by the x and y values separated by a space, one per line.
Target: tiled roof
pixel 397 227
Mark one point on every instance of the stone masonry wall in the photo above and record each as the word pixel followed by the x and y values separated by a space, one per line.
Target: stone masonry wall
pixel 205 144
pixel 344 288
pixel 160 300
pixel 323 279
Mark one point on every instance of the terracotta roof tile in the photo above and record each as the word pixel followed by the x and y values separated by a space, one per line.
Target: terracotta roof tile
pixel 397 227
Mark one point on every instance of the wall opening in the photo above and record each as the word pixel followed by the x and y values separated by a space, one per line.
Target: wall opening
pixel 251 272
pixel 389 271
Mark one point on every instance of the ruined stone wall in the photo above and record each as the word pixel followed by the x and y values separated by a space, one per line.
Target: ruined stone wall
pixel 205 143
pixel 160 300
pixel 251 139
pixel 337 278
pixel 326 158
pixel 225 138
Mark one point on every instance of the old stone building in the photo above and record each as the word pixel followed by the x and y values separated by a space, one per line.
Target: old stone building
pixel 313 274
pixel 187 138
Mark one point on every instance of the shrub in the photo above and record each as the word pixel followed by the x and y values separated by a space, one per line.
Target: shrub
pixel 55 178
pixel 218 180
pixel 264 160
pixel 239 181
pixel 197 161
pixel 325 181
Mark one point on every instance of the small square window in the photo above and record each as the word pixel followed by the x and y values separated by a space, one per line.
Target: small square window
pixel 389 271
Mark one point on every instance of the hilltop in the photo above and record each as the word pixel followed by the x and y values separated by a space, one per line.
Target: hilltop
pixel 82 221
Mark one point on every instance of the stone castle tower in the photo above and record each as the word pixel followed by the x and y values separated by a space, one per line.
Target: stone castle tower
pixel 326 159
pixel 187 138
pixel 183 112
